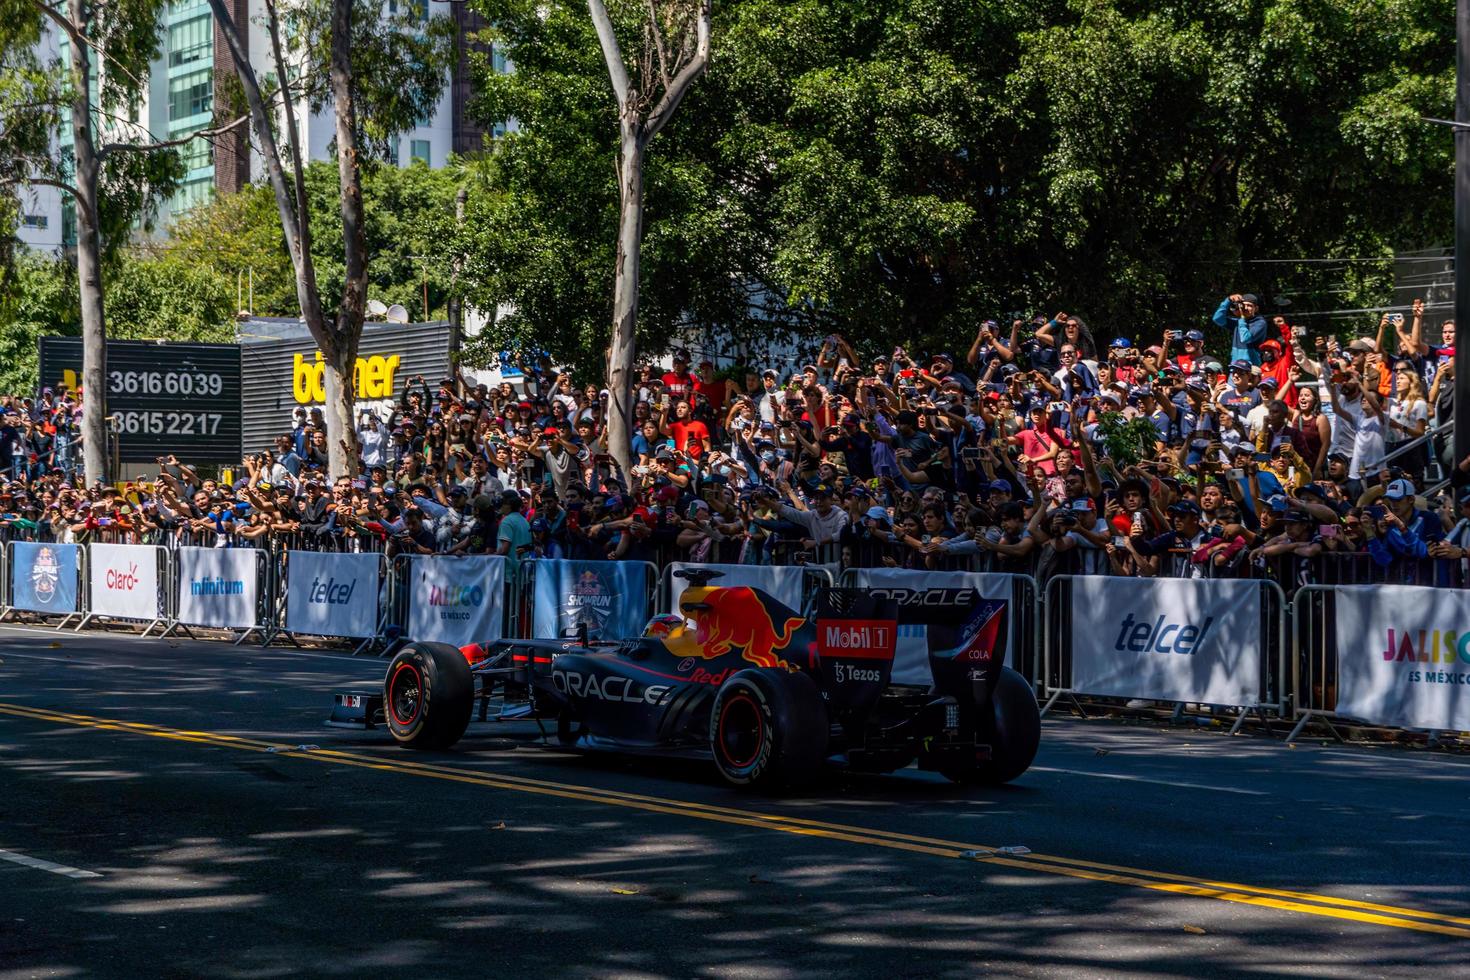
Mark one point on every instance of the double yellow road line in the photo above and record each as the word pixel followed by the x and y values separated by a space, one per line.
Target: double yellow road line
pixel 1226 891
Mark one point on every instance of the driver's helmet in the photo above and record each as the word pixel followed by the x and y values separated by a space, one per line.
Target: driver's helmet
pixel 665 625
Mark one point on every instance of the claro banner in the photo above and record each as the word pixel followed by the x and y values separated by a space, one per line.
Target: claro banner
pixel 609 597
pixel 456 600
pixel 332 594
pixel 43 577
pixel 218 587
pixel 1167 639
pixel 123 581
pixel 1403 656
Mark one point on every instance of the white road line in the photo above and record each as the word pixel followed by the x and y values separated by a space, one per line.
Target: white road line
pixel 1145 779
pixel 39 865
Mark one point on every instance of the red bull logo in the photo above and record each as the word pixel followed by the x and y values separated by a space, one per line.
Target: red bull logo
pixel 734 619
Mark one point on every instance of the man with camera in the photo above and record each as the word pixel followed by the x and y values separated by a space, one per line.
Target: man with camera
pixel 1240 313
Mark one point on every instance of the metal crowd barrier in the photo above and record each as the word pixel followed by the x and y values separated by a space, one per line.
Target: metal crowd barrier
pixel 1274 681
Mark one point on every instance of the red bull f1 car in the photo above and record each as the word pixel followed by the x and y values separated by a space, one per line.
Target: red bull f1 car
pixel 739 678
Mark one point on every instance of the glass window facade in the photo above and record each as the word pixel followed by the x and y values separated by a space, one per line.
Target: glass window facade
pixel 190 41
pixel 419 150
pixel 191 94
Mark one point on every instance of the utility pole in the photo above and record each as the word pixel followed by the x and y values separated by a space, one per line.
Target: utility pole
pixel 1461 440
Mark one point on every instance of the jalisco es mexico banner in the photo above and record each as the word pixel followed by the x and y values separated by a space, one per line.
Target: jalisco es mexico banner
pixel 610 597
pixel 456 600
pixel 1403 656
pixel 1166 639
pixel 332 594
pixel 911 660
pixel 43 577
pixel 218 587
pixel 123 581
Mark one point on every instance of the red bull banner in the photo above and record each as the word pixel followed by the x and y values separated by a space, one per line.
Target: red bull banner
pixel 609 598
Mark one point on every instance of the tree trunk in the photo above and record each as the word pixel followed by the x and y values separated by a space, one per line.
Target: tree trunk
pixel 348 329
pixel 89 261
pixel 624 348
pixel 337 382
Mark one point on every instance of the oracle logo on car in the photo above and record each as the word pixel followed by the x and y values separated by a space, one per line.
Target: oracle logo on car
pixel 606 688
pixel 123 580
pixel 860 639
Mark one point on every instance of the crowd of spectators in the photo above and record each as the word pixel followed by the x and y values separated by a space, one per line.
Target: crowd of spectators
pixel 1040 449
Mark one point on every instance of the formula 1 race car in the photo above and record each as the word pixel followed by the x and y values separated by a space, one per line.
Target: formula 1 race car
pixel 738 677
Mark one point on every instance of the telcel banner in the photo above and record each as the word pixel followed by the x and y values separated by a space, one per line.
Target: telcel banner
pixel 456 600
pixel 610 597
pixel 43 577
pixel 218 587
pixel 911 659
pixel 1167 639
pixel 123 581
pixel 1403 656
pixel 332 594
pixel 783 582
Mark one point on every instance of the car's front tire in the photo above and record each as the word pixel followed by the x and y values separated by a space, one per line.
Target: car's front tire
pixel 428 696
pixel 1013 729
pixel 768 728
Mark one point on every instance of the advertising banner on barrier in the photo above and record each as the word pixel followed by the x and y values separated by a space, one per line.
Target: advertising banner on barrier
pixel 1403 656
pixel 783 582
pixel 218 587
pixel 332 594
pixel 123 581
pixel 43 577
pixel 456 600
pixel 610 597
pixel 911 659
pixel 1167 639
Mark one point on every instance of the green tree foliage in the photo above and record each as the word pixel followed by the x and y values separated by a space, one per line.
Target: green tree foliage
pixel 900 171
pixel 40 299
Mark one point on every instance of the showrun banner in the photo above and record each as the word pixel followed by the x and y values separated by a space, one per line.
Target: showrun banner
pixel 609 597
pixel 218 587
pixel 43 577
pixel 1403 656
pixel 456 600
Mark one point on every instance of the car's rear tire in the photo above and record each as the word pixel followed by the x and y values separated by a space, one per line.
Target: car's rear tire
pixel 428 696
pixel 1013 729
pixel 768 728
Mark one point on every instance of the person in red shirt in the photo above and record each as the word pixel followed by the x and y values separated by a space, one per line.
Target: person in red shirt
pixel 1277 358
pixel 689 434
pixel 716 392
pixel 679 383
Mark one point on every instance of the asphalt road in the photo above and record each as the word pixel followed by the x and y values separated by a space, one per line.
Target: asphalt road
pixel 201 842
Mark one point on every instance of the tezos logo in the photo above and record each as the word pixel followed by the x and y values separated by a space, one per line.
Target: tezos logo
pixel 123 580
pixel 1161 637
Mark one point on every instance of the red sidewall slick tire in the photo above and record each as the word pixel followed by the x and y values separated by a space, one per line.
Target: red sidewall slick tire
pixel 768 728
pixel 428 696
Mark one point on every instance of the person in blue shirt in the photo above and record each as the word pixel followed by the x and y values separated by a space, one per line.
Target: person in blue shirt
pixel 1241 315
